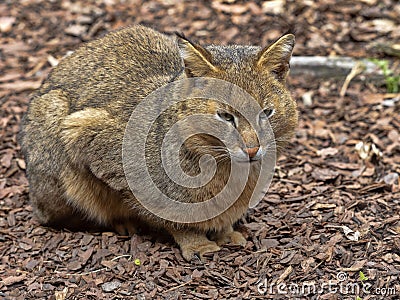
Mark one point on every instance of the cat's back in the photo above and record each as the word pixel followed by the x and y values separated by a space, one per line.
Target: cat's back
pixel 124 65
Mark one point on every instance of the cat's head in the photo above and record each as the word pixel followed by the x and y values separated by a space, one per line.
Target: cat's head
pixel 261 72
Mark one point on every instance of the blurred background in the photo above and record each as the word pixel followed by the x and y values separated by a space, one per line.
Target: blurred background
pixel 35 33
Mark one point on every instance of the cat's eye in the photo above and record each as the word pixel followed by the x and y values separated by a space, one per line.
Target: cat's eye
pixel 268 113
pixel 226 116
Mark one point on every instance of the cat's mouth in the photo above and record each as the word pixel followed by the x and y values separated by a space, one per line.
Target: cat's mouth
pixel 246 160
pixel 242 158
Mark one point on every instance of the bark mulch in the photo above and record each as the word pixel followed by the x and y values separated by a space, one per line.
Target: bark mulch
pixel 329 226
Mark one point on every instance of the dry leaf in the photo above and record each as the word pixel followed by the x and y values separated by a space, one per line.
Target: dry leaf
pixel 109 263
pixel 21 163
pixel 110 286
pixel 324 174
pixel 269 243
pixel 372 98
pixel 61 295
pixel 327 152
pixel 196 274
pixel 5 161
pixel 275 7
pixel 307 264
pixel 323 205
pixel 76 30
pixel 307 98
pixel 367 150
pixel 391 178
pixel 52 60
pixel 74 265
pixel 350 234
pixel 6 23
pixel 357 266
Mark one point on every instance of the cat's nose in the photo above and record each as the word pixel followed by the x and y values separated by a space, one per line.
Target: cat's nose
pixel 251 151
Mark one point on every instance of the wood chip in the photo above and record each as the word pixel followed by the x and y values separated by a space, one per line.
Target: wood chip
pixel 13 279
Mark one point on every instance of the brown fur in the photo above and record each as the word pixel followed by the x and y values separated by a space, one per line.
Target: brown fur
pixel 73 131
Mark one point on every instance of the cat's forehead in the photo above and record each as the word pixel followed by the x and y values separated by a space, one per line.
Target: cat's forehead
pixel 233 55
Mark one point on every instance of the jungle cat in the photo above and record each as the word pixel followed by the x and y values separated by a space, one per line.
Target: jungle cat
pixel 73 131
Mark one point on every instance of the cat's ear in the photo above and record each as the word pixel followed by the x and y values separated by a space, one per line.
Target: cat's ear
pixel 275 58
pixel 197 60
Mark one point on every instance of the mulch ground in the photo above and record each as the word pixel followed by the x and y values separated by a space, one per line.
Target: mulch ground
pixel 332 213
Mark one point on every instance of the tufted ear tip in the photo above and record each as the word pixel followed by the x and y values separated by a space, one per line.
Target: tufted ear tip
pixel 275 58
pixel 197 60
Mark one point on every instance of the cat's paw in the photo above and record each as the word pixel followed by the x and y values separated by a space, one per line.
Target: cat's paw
pixel 125 228
pixel 198 249
pixel 232 237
